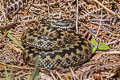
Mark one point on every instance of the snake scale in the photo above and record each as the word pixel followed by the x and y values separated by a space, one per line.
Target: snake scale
pixel 56 45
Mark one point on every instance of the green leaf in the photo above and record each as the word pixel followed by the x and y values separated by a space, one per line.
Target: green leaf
pixel 94 50
pixel 94 42
pixel 103 46
pixel 6 73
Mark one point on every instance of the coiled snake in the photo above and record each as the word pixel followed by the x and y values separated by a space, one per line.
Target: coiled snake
pixel 56 47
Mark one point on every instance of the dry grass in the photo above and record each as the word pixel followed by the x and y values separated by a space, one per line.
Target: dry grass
pixel 99 18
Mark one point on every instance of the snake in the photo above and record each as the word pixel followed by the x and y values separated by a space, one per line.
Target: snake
pixel 56 45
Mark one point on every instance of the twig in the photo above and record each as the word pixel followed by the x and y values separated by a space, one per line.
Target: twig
pixel 73 74
pixel 111 52
pixel 3 36
pixel 59 76
pixel 100 67
pixel 51 73
pixel 77 17
pixel 17 67
pixel 48 8
pixel 12 24
pixel 8 26
pixel 106 8
pixel 99 26
pixel 113 42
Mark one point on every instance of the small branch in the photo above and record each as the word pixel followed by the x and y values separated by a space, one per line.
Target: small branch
pixel 58 74
pixel 3 36
pixel 16 67
pixel 77 17
pixel 73 74
pixel 51 73
pixel 99 26
pixel 48 8
pixel 106 8
pixel 113 42
pixel 8 26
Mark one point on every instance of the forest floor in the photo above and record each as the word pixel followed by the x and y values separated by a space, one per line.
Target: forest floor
pixel 100 18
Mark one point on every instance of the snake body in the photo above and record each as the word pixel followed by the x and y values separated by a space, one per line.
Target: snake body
pixel 56 47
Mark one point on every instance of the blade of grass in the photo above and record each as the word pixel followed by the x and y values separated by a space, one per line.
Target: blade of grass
pixel 6 73
pixel 10 44
pixel 3 22
pixel 35 69
pixel 29 78
pixel 12 38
